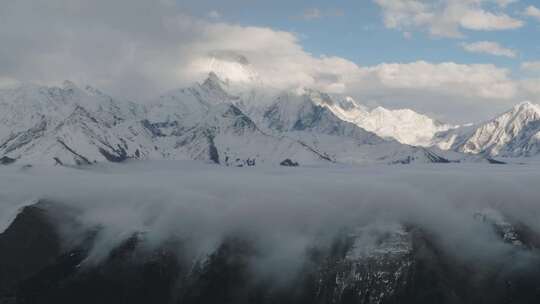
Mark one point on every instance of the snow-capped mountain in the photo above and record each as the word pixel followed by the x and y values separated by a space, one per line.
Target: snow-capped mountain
pixel 403 125
pixel 515 133
pixel 73 126
pixel 233 67
pixel 211 121
pixel 294 112
pixel 305 116
pixel 241 78
pixel 69 125
pixel 204 123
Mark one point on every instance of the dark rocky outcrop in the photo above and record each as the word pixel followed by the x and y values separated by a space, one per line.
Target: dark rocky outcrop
pixel 405 264
pixel 5 160
pixel 289 163
pixel 28 245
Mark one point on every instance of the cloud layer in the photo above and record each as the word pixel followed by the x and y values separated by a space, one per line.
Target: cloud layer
pixel 118 48
pixel 533 11
pixel 489 47
pixel 531 66
pixel 285 209
pixel 446 18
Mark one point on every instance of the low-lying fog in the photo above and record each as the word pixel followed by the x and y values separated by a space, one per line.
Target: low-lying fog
pixel 285 208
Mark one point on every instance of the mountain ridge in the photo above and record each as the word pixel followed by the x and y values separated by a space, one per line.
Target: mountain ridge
pixel 212 121
pixel 514 133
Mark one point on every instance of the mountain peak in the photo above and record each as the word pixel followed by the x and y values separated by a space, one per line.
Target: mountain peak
pixel 512 134
pixel 214 82
pixel 232 67
pixel 229 56
pixel 69 85
pixel 526 106
pixel 318 97
pixel 93 91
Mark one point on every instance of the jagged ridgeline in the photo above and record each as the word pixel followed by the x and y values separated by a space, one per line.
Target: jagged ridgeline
pixel 218 122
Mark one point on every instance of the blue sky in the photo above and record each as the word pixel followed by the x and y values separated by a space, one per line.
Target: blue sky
pixel 456 60
pixel 354 29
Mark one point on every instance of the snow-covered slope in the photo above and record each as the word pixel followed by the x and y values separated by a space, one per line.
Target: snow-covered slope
pixel 73 126
pixel 227 136
pixel 305 112
pixel 305 117
pixel 403 125
pixel 232 67
pixel 68 125
pixel 515 133
pixel 215 121
pixel 204 122
pixel 211 121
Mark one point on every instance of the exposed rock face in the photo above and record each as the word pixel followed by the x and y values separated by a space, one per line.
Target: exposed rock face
pixel 27 246
pixel 390 263
pixel 289 163
pixel 7 160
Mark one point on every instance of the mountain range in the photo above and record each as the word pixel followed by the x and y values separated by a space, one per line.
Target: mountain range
pixel 237 125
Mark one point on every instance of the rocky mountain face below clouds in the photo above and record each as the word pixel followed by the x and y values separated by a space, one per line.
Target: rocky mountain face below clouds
pixel 377 263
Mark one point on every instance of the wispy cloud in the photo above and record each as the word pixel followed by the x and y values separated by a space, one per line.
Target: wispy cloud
pixel 505 3
pixel 312 13
pixel 447 18
pixel 533 11
pixel 214 14
pixel 489 47
pixel 531 66
pixel 144 55
pixel 317 13
pixel 202 205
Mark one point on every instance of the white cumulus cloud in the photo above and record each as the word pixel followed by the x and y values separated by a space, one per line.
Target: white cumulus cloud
pixel 446 18
pixel 489 47
pixel 533 11
pixel 531 66
pixel 114 47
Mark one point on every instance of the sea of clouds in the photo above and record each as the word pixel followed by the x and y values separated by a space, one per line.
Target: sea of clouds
pixel 285 209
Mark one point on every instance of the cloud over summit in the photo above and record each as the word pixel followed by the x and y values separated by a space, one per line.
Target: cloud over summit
pixel 117 48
